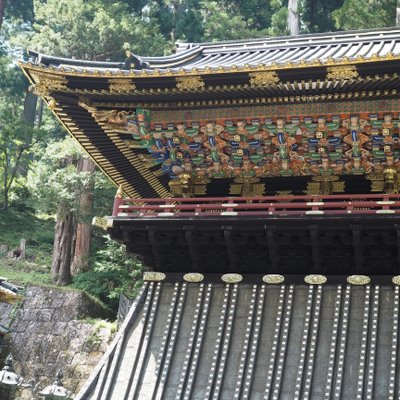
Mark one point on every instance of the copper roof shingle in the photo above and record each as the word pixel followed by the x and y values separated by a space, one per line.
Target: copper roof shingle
pixel 241 341
pixel 265 51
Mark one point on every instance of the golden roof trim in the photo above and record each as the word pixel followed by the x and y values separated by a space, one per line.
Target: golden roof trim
pixel 138 74
pixel 258 100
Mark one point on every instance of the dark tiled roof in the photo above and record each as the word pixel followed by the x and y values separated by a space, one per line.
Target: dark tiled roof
pixel 240 341
pixel 266 51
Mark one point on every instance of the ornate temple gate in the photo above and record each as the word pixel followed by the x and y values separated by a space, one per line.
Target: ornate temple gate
pixel 259 181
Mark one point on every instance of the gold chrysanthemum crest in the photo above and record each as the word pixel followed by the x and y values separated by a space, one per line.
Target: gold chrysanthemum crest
pixel 232 278
pixel 190 83
pixel 359 279
pixel 193 277
pixel 263 78
pixel 342 72
pixel 315 279
pixel 120 85
pixel 396 280
pixel 154 276
pixel 274 279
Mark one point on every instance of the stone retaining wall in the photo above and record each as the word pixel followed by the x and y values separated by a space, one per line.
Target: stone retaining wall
pixel 49 331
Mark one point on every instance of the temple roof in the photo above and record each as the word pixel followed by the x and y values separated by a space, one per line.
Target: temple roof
pixel 269 113
pixel 253 341
pixel 227 56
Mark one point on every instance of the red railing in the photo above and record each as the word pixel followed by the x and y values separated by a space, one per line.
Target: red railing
pixel 258 206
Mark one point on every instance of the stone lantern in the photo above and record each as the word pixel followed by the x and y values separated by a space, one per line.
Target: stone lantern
pixel 56 391
pixel 9 380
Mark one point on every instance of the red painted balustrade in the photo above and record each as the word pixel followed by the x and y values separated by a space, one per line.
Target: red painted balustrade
pixel 279 206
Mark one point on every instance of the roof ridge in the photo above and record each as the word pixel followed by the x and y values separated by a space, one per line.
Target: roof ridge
pixel 297 38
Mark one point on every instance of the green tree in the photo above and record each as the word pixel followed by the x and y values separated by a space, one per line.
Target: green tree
pixel 178 19
pixel 222 23
pixel 367 14
pixel 16 136
pixel 113 273
pixel 317 15
pixel 56 185
pixel 91 30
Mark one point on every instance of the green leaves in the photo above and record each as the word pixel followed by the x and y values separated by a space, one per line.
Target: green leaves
pixel 366 14
pixel 91 30
pixel 54 180
pixel 113 273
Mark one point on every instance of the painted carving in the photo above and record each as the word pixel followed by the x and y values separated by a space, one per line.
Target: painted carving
pixel 258 148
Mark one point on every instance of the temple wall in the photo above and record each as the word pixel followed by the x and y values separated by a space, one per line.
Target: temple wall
pixel 51 329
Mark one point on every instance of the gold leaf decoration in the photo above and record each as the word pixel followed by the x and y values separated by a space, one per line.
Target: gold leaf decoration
pixel 338 187
pixel 274 279
pixel 200 189
pixel 315 279
pixel 121 85
pixel 232 278
pixel 190 83
pixel 263 78
pixel 396 280
pixel 359 279
pixel 154 276
pixel 100 222
pixel 193 277
pixel 342 72
pixel 45 84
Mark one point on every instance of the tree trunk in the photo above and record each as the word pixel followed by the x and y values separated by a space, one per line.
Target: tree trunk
pixel 39 118
pixel 2 10
pixel 398 13
pixel 83 230
pixel 293 17
pixel 21 251
pixel 5 199
pixel 29 114
pixel 62 249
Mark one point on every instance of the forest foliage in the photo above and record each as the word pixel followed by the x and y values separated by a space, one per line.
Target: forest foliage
pixel 39 164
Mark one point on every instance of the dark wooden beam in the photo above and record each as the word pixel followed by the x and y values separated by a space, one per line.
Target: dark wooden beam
pixel 230 249
pixel 315 247
pixel 357 246
pixel 192 248
pixel 273 250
